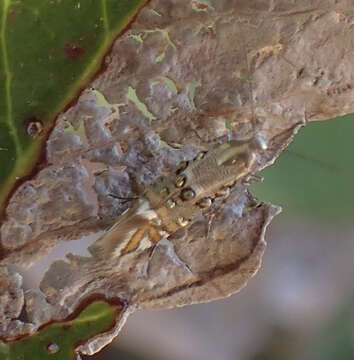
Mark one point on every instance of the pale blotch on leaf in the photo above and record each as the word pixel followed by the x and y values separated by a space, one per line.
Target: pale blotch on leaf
pixel 102 101
pixel 164 33
pixel 80 131
pixel 139 105
pixel 155 12
pixel 137 37
pixel 191 91
pixel 160 57
pixel 170 84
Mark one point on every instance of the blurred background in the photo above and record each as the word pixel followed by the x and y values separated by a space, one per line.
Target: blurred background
pixel 300 305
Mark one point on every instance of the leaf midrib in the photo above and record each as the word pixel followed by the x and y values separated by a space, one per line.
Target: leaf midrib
pixel 8 77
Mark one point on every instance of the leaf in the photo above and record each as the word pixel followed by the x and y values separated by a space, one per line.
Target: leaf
pixel 60 339
pixel 218 252
pixel 49 50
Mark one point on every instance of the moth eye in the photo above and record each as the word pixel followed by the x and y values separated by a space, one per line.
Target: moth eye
pixel 200 156
pixel 182 221
pixel 180 181
pixel 170 203
pixel 225 191
pixel 182 166
pixel 205 203
pixel 188 194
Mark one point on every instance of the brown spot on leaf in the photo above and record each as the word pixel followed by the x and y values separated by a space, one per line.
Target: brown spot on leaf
pixel 74 51
pixel 199 5
pixel 12 14
pixel 34 127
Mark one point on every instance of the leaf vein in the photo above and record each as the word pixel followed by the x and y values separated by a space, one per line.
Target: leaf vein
pixel 105 16
pixel 8 77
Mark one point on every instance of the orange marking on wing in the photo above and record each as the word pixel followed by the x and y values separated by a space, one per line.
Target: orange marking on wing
pixel 135 240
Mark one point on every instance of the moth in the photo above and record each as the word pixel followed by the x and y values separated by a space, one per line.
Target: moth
pixel 171 203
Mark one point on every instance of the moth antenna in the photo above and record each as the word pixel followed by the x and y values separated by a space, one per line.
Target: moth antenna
pixel 80 152
pixel 249 82
pixel 125 199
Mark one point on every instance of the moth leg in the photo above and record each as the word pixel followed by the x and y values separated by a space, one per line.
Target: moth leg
pixel 169 249
pixel 154 237
pixel 123 199
pixel 167 246
pixel 209 225
pixel 252 179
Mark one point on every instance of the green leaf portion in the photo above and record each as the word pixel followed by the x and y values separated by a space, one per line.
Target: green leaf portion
pixel 228 125
pixel 133 97
pixel 58 341
pixel 170 83
pixel 4 350
pixel 48 51
pixel 314 178
pixel 191 91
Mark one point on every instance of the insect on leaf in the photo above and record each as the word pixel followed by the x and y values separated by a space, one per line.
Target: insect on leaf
pixel 170 225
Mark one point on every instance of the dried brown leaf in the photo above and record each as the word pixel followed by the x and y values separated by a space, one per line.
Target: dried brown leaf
pixel 188 75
